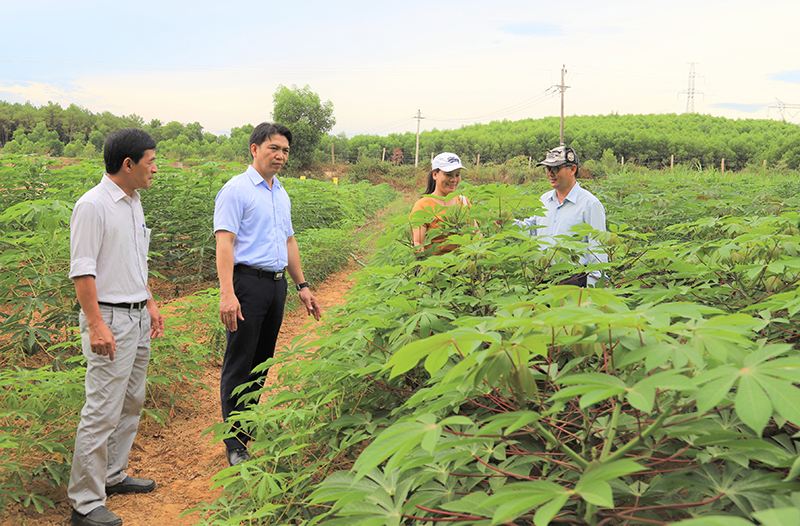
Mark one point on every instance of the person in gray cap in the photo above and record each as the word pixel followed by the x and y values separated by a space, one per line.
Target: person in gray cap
pixel 567 205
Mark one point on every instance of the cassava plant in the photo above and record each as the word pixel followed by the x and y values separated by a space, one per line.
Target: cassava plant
pixel 470 388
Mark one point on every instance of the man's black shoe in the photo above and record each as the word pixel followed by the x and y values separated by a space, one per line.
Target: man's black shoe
pixel 237 455
pixel 99 516
pixel 132 485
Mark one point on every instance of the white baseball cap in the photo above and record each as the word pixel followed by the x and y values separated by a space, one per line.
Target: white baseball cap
pixel 447 162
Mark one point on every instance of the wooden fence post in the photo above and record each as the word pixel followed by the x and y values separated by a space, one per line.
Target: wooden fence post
pixel 722 165
pixel 383 155
pixel 671 162
pixel 333 159
pixel 478 164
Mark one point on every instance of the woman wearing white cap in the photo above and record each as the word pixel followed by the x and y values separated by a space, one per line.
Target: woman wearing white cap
pixel 442 181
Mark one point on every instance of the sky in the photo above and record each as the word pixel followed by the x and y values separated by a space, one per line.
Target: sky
pixel 455 62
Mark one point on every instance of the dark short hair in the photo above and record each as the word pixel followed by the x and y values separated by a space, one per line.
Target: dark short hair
pixel 123 144
pixel 267 129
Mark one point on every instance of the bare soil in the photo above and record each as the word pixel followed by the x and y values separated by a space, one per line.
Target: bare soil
pixel 181 460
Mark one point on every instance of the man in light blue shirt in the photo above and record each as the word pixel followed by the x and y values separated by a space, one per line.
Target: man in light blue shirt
pixel 255 248
pixel 566 206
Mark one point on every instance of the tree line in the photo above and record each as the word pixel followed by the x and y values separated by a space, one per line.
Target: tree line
pixel 77 132
pixel 653 141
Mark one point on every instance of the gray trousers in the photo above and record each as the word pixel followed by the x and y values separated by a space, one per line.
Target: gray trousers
pixel 115 394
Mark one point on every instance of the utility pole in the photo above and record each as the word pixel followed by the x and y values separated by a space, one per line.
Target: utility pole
pixel 690 91
pixel 781 107
pixel 419 118
pixel 562 88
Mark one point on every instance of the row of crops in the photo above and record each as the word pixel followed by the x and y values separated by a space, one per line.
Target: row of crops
pixel 41 368
pixel 465 388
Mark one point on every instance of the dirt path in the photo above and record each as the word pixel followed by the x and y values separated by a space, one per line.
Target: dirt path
pixel 181 460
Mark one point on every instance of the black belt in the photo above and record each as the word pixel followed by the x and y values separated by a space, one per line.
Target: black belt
pixel 138 306
pixel 261 273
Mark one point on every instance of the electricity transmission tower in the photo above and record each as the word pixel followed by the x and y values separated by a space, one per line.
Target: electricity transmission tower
pixel 782 107
pixel 691 91
pixel 419 118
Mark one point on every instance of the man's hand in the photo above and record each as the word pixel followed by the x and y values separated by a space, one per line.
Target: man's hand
pixel 156 319
pixel 310 302
pixel 102 340
pixel 230 311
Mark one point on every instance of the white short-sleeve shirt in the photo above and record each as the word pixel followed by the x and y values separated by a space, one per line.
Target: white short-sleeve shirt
pixel 109 240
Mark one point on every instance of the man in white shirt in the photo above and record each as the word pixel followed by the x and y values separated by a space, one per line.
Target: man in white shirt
pixel 108 264
pixel 566 206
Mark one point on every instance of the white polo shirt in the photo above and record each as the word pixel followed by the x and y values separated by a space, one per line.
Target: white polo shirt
pixel 109 240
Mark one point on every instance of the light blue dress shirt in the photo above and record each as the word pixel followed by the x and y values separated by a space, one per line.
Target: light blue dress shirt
pixel 260 217
pixel 580 206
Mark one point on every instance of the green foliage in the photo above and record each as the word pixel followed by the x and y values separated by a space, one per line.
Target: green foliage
pixel 40 405
pixel 38 417
pixel 367 168
pixel 180 210
pixel 301 110
pixel 193 336
pixel 34 259
pixel 74 149
pixel 643 140
pixel 321 204
pixel 466 387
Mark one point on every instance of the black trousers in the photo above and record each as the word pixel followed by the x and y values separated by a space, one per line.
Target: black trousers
pixel 579 280
pixel 262 301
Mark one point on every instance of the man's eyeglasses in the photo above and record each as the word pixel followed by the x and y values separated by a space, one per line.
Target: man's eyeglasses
pixel 553 170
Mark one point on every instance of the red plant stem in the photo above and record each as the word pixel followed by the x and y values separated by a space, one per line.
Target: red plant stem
pixel 610 516
pixel 673 506
pixel 636 503
pixel 506 473
pixel 475 476
pixel 377 346
pixel 433 519
pixel 696 417
pixel 685 468
pixel 455 515
pixel 660 460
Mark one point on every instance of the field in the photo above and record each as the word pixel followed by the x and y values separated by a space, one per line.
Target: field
pixel 462 388
pixel 41 370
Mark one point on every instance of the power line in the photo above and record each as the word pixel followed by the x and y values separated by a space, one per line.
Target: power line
pixel 520 106
pixel 386 127
pixel 525 104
